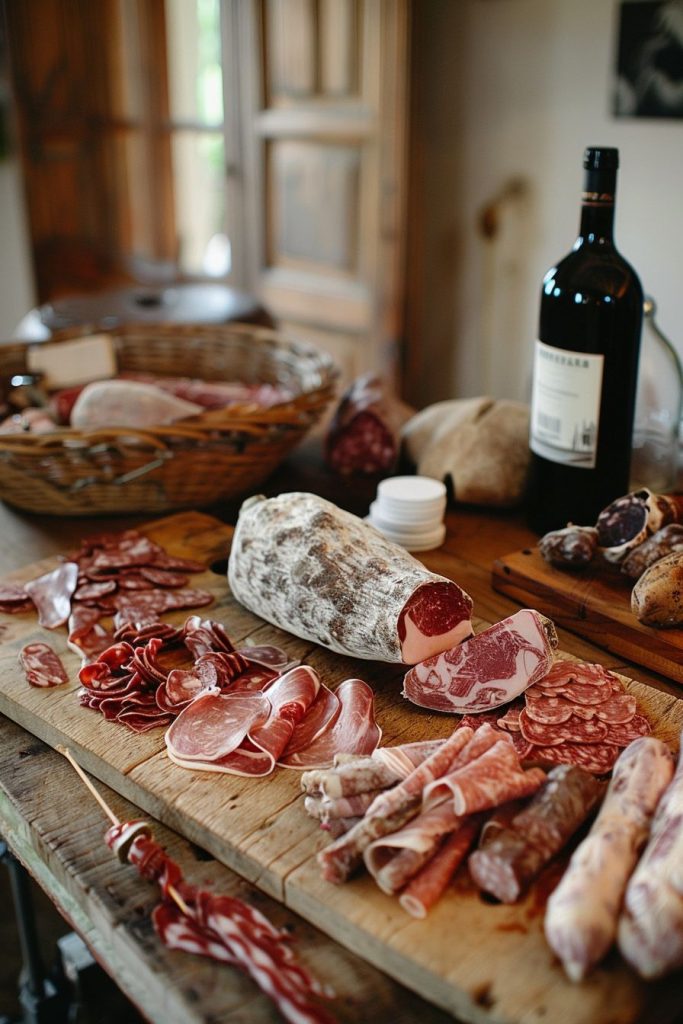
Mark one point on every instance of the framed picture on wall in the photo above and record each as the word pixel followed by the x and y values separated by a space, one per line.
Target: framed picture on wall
pixel 649 71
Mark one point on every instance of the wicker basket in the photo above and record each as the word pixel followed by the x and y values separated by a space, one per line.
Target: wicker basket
pixel 211 457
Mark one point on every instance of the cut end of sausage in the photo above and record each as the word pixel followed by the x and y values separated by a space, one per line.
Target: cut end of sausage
pixel 435 618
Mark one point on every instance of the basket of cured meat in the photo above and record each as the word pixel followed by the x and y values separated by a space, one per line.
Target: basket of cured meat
pixel 187 416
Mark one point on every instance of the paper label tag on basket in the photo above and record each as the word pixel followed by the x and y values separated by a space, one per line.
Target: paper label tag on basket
pixel 65 364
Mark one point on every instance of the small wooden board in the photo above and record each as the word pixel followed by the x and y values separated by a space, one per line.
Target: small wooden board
pixel 479 962
pixel 595 603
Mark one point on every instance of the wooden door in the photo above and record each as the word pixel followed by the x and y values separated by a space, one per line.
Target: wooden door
pixel 317 185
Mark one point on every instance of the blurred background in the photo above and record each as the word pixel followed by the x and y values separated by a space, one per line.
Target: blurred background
pixel 391 179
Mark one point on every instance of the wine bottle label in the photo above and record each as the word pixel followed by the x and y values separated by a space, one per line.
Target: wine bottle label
pixel 565 405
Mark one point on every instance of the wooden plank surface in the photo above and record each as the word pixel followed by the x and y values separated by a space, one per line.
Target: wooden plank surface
pixel 57 833
pixel 478 961
pixel 595 603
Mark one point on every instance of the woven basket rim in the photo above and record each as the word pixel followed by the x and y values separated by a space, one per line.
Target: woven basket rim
pixel 250 418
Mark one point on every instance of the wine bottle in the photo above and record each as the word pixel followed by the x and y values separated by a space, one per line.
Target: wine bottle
pixel 585 366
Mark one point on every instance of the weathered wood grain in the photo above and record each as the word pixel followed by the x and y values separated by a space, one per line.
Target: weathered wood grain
pixel 476 961
pixel 595 603
pixel 60 841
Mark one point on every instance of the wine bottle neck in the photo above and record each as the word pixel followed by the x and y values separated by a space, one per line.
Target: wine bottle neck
pixel 597 209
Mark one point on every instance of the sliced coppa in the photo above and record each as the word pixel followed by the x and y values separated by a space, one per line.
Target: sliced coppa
pixel 42 666
pixel 323 574
pixel 491 669
pixel 352 730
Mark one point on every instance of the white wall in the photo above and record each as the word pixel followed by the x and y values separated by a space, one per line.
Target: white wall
pixel 17 294
pixel 515 89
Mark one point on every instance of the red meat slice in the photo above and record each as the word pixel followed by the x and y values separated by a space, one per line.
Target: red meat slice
pixel 214 725
pixel 52 594
pixel 352 731
pixel 576 730
pixel 597 758
pixel 42 666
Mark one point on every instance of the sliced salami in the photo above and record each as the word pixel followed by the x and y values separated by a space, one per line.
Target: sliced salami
pixel 617 709
pixel 14 599
pixel 42 666
pixel 575 730
pixel 624 733
pixel 325 575
pixel 597 758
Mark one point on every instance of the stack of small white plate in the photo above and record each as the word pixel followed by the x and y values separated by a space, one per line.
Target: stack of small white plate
pixel 409 511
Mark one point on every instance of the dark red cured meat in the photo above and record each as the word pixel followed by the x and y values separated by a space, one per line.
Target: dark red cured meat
pixel 203 636
pixel 435 609
pixel 137 634
pixel 617 709
pixel 92 591
pixel 163 577
pixel 42 666
pixel 130 549
pixel 576 730
pixel 320 717
pixel 487 670
pixel 492 718
pixel 221 669
pixel 163 560
pixel 133 581
pixel 363 437
pixel 597 758
pixel 14 599
pixel 52 594
pixel 147 604
pixel 352 731
pixel 623 734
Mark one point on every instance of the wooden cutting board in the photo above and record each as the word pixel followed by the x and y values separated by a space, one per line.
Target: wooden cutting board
pixel 479 961
pixel 595 603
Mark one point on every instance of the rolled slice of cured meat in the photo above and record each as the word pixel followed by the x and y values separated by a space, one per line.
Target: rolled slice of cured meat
pixel 325 575
pixel 429 884
pixel 490 669
pixel 582 913
pixel 506 863
pixel 364 434
pixel 389 811
pixel 392 860
pixel 650 930
pixel 384 768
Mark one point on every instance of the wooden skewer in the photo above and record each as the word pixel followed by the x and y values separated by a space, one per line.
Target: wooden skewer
pixel 173 892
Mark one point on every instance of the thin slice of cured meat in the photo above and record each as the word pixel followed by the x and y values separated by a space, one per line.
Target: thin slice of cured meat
pixel 392 860
pixel 323 574
pixel 214 725
pixel 42 666
pixel 617 709
pixel 549 710
pixel 493 721
pixel 582 912
pixel 266 654
pixel 14 598
pixel 52 594
pixel 598 758
pixel 319 719
pixel 430 883
pixel 624 733
pixel 491 669
pixel 491 779
pixel 565 671
pixel 327 810
pixel 389 811
pixel 353 730
pixel 575 730
pixel 386 766
pixel 512 857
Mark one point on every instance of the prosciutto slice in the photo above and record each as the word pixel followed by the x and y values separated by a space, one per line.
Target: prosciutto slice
pixel 242 733
pixel 491 669
pixel 429 884
pixel 353 730
pixel 325 575
pixel 394 859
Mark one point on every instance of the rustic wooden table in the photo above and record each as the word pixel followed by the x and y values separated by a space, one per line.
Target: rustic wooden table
pixel 56 832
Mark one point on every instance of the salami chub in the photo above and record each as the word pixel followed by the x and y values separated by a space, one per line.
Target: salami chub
pixel 323 574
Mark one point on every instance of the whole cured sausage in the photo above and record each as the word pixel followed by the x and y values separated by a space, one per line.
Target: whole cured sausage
pixel 364 434
pixel 630 520
pixel 650 931
pixel 321 573
pixel 505 864
pixel 656 599
pixel 572 546
pixel 581 918
pixel 662 543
